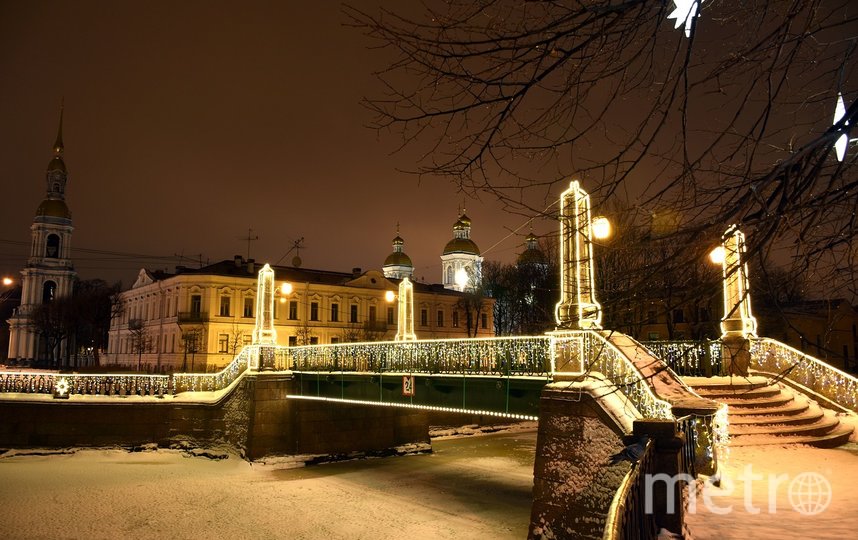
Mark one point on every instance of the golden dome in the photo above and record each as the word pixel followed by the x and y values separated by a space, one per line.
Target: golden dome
pixel 398 258
pixel 57 164
pixel 53 208
pixel 461 245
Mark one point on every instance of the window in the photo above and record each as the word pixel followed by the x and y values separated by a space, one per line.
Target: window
pixel 196 303
pixel 293 310
pixel 372 311
pixel 248 307
pixel 424 317
pixel 335 339
pixel 49 292
pixel 389 315
pixel 456 318
pixel 440 320
pixel 335 312
pixel 449 278
pixel 314 340
pixel 224 306
pixel 293 340
pixel 650 317
pixel 484 321
pixel 314 311
pixel 353 313
pixel 704 314
pixel 223 343
pixel 678 316
pixel 52 246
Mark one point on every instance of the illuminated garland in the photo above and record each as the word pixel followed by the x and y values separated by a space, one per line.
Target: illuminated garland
pixel 415 406
pixel 775 357
pixel 686 358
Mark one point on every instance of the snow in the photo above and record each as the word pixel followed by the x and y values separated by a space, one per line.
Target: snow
pixel 471 487
pixel 839 520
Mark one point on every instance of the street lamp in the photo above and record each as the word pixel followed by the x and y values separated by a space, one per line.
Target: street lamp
pixel 7 281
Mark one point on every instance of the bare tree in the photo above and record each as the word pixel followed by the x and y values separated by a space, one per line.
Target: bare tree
pixel 731 124
pixel 141 341
pixel 191 343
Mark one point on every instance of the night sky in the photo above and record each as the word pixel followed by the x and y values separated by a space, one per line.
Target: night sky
pixel 187 122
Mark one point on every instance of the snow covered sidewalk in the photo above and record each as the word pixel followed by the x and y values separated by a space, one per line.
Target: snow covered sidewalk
pixel 780 492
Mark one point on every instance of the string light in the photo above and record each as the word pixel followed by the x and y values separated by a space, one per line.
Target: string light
pixel 418 406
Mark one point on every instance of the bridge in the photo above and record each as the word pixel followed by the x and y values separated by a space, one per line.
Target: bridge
pixel 592 390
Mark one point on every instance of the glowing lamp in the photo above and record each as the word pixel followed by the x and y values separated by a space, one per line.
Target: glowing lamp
pixel 601 228
pixel 461 277
pixel 389 296
pixel 717 255
pixel 286 288
pixel 7 281
pixel 282 300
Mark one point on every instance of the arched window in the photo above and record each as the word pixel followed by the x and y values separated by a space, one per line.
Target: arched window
pixel 52 246
pixel 49 292
pixel 449 278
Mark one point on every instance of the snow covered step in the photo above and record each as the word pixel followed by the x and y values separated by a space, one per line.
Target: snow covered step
pixel 797 406
pixel 739 392
pixel 718 383
pixel 753 403
pixel 821 426
pixel 832 439
pixel 807 417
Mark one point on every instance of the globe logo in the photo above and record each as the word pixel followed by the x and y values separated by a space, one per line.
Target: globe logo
pixel 809 493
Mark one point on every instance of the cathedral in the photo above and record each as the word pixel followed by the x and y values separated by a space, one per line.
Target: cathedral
pixel 49 273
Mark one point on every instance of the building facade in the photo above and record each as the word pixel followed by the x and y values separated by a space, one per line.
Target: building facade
pixel 49 273
pixel 196 320
pixel 461 263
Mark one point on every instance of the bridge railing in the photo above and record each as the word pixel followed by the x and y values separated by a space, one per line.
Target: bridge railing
pixel 777 358
pixel 84 384
pixel 689 358
pixel 504 356
pixel 211 382
pixel 604 357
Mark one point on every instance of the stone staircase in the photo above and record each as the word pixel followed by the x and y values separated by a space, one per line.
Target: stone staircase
pixel 761 413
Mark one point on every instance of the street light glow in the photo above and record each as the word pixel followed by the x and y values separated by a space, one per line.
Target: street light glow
pixel 7 281
pixel 601 228
pixel 717 255
pixel 389 296
pixel 286 288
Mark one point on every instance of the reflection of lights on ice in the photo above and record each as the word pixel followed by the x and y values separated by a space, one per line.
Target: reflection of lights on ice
pixel 843 140
pixel 684 13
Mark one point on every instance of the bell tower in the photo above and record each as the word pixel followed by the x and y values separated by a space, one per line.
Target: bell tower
pixel 49 273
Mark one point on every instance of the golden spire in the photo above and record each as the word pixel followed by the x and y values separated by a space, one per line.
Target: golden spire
pixel 58 145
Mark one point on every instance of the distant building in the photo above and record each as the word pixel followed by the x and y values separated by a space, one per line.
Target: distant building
pixel 198 318
pixel 398 265
pixel 461 264
pixel 49 273
pixel 826 329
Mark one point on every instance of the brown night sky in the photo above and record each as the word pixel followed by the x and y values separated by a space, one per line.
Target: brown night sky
pixel 188 122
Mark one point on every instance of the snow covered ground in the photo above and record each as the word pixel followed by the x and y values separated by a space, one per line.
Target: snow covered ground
pixel 471 487
pixel 782 492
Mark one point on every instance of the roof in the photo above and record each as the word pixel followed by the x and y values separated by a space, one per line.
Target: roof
pixel 398 258
pixel 53 208
pixel 461 245
pixel 57 164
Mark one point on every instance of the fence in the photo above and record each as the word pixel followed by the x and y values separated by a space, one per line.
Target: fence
pixel 689 358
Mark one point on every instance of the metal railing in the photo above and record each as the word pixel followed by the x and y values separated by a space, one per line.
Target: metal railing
pixel 688 358
pixel 87 385
pixel 211 382
pixel 604 357
pixel 506 356
pixel 627 518
pixel 780 359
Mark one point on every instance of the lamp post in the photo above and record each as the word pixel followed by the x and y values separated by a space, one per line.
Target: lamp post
pixel 738 324
pixel 578 308
pixel 263 332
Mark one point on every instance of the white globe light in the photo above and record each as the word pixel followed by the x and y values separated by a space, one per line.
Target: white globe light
pixel 717 255
pixel 286 288
pixel 601 228
pixel 461 277
pixel 389 296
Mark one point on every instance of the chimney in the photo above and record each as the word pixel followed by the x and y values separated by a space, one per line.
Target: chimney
pixel 238 261
pixel 356 271
pixel 250 266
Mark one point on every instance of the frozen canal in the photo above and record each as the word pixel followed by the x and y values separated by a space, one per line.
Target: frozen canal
pixel 474 487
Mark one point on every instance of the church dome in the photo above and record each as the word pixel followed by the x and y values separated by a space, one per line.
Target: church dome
pixel 531 255
pixel 53 208
pixel 57 164
pixel 461 245
pixel 398 258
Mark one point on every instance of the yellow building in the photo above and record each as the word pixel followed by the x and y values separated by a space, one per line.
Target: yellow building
pixel 196 319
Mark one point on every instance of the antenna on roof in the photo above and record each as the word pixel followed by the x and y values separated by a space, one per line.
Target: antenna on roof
pixel 250 238
pixel 296 247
